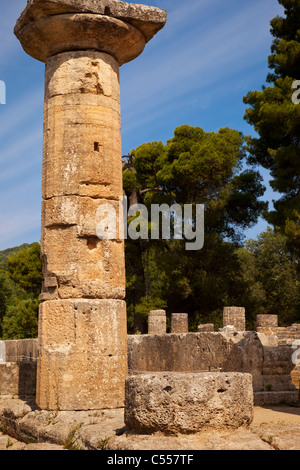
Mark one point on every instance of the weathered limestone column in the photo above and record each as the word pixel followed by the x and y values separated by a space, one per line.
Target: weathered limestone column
pixel 179 323
pixel 82 325
pixel 267 324
pixel 234 316
pixel 157 322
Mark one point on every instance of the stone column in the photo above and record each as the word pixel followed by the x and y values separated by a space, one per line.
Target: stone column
pixel 157 322
pixel 179 323
pixel 267 324
pixel 82 324
pixel 234 316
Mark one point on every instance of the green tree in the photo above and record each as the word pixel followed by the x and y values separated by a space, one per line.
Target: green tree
pixel 25 269
pixel 21 319
pixel 6 290
pixel 276 119
pixel 20 286
pixel 270 275
pixel 194 167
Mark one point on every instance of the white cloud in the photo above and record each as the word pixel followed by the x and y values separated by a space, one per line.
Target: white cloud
pixel 198 61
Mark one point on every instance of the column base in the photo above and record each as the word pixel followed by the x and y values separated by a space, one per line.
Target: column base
pixel 82 362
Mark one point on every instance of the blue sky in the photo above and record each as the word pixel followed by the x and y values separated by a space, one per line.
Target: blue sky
pixel 195 71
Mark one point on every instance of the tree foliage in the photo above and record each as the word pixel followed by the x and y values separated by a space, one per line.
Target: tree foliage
pixel 194 167
pixel 276 119
pixel 270 276
pixel 20 286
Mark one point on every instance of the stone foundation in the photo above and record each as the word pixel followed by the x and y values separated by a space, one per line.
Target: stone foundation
pixel 18 379
pixel 19 350
pixel 187 403
pixel 275 377
pixel 82 342
pixel 270 367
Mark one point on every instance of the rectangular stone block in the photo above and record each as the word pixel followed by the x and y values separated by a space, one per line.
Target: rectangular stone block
pixel 278 360
pixel 82 361
pixel 91 216
pixel 18 379
pixel 195 352
pixel 84 267
pixel 206 328
pixel 275 398
pixel 234 316
pixel 176 403
pixel 179 323
pixel 157 322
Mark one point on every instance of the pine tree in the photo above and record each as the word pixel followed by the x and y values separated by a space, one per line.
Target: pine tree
pixel 275 115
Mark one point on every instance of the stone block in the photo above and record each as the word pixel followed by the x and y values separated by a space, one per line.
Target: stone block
pixel 83 267
pixel 267 324
pixel 157 322
pixel 196 352
pixel 278 360
pixel 18 379
pixel 275 398
pixel 82 354
pixel 267 321
pixel 187 403
pixel 206 328
pixel 82 148
pixel 295 375
pixel 116 27
pixel 268 339
pixel 179 323
pixel 148 19
pixel 278 383
pixel 234 316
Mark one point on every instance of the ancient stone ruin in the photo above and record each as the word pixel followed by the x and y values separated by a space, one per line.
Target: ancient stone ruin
pixel 234 316
pixel 82 360
pixel 186 403
pixel 157 322
pixel 179 323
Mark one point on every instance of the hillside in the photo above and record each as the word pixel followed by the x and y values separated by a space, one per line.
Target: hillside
pixel 4 254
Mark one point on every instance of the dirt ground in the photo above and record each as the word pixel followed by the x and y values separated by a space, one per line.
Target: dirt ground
pixel 278 426
pixel 283 415
pixel 273 428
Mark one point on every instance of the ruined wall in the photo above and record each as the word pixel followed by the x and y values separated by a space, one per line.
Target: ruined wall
pixel 288 335
pixel 19 350
pixel 274 374
pixel 270 366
